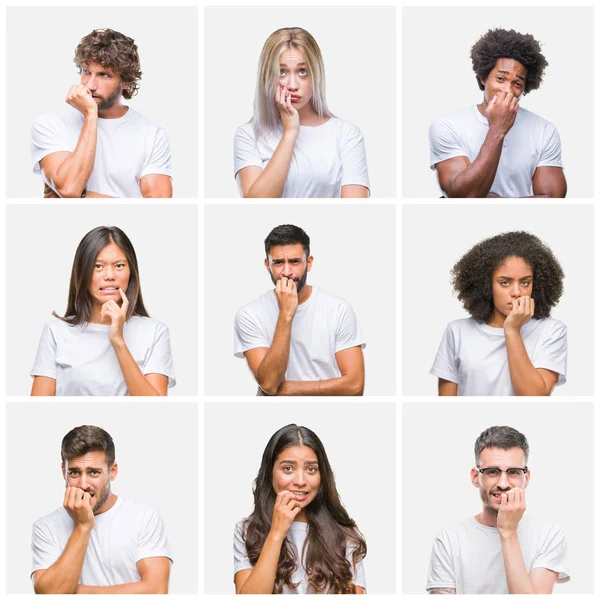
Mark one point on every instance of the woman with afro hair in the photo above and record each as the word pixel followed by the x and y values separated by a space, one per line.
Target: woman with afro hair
pixel 509 346
pixel 497 148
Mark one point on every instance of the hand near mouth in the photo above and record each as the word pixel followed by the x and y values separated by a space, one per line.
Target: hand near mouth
pixel 290 119
pixel 510 513
pixel 285 511
pixel 80 98
pixel 117 315
pixel 522 310
pixel 78 504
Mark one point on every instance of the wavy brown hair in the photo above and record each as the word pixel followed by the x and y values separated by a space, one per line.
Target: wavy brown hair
pixel 115 51
pixel 79 305
pixel 330 529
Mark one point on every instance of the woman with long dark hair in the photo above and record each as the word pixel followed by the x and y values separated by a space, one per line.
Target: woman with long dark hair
pixel 299 538
pixel 106 344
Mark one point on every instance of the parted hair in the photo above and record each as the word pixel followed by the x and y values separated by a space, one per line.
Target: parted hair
pixel 79 304
pixel 501 436
pixel 330 529
pixel 266 117
pixel 115 51
pixel 472 274
pixel 87 438
pixel 503 43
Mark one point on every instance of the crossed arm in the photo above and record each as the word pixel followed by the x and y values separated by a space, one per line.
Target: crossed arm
pixel 270 377
pixel 69 173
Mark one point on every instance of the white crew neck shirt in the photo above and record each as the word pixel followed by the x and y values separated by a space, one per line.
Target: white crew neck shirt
pixel 123 535
pixel 323 325
pixel 325 158
pixel 83 361
pixel 473 355
pixel 127 149
pixel 297 536
pixel 532 142
pixel 468 556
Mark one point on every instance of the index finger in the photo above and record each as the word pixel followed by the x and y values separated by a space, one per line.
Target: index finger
pixel 124 297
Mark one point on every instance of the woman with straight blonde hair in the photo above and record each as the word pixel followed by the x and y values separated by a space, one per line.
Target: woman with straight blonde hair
pixel 294 147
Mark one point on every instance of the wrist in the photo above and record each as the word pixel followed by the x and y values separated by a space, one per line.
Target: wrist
pixel 117 342
pixel 91 115
pixel 512 330
pixel 84 527
pixel 276 537
pixel 497 133
pixel 507 534
pixel 290 134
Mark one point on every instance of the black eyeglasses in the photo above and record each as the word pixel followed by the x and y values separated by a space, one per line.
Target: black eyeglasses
pixel 512 473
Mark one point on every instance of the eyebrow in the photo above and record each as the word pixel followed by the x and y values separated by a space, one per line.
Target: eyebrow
pixel 87 469
pixel 508 73
pixel 513 278
pixel 101 260
pixel 300 64
pixel 294 462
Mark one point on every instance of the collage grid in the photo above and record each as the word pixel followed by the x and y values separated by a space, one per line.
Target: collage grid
pixel 213 463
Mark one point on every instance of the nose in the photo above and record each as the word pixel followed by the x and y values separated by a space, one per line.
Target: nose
pixel 299 478
pixel 287 269
pixel 89 81
pixel 109 273
pixel 503 481
pixel 292 82
pixel 515 291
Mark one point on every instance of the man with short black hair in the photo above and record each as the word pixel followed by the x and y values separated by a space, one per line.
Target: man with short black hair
pixel 98 147
pixel 98 543
pixel 498 149
pixel 300 340
pixel 499 551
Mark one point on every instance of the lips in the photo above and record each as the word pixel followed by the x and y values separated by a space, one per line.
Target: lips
pixel 295 98
pixel 109 289
pixel 299 494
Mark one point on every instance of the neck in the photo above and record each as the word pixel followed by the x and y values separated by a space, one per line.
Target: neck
pixel 301 517
pixel 309 116
pixel 487 517
pixel 304 294
pixel 110 502
pixel 497 319
pixel 116 111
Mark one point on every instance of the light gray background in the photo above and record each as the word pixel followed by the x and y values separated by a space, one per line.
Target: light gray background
pixel 438 78
pixel 364 469
pixel 354 258
pixel 41 44
pixel 434 239
pixel 41 244
pixel 158 466
pixel 437 446
pixel 358 45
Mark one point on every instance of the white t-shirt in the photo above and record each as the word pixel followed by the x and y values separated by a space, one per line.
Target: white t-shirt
pixel 127 149
pixel 325 158
pixel 83 361
pixel 468 556
pixel 297 536
pixel 123 535
pixel 532 142
pixel 473 355
pixel 322 326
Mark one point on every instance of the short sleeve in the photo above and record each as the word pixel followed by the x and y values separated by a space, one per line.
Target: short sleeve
pixel 248 334
pixel 47 137
pixel 445 365
pixel 240 554
pixel 245 150
pixel 347 332
pixel 44 547
pixel 159 161
pixel 551 152
pixel 441 573
pixel 45 359
pixel 160 359
pixel 152 537
pixel 553 554
pixel 552 354
pixel 444 142
pixel 353 156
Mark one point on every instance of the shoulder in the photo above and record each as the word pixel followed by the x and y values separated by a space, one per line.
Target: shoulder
pixel 325 298
pixel 259 305
pixel 147 324
pixel 139 120
pixel 531 121
pixel 550 325
pixel 465 324
pixel 66 114
pixel 246 131
pixel 344 128
pixel 140 510
pixel 454 118
pixel 57 327
pixel 50 520
pixel 541 529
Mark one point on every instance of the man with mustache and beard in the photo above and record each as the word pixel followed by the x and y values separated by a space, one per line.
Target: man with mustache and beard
pixel 98 543
pixel 499 551
pixel 98 147
pixel 299 340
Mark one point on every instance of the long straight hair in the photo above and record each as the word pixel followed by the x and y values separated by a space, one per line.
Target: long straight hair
pixel 330 529
pixel 79 305
pixel 266 117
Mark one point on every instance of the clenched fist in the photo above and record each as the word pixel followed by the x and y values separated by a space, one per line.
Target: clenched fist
pixel 510 513
pixel 501 112
pixel 80 97
pixel 522 310
pixel 287 297
pixel 78 505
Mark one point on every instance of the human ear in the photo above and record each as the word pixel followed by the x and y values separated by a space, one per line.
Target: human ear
pixel 475 477
pixel 114 470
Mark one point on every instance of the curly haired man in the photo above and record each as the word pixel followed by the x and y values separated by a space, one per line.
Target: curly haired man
pixel 97 146
pixel 497 148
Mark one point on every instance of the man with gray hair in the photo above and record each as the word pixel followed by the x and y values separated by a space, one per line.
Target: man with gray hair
pixel 499 551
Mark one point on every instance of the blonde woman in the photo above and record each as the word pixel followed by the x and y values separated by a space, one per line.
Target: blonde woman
pixel 294 147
